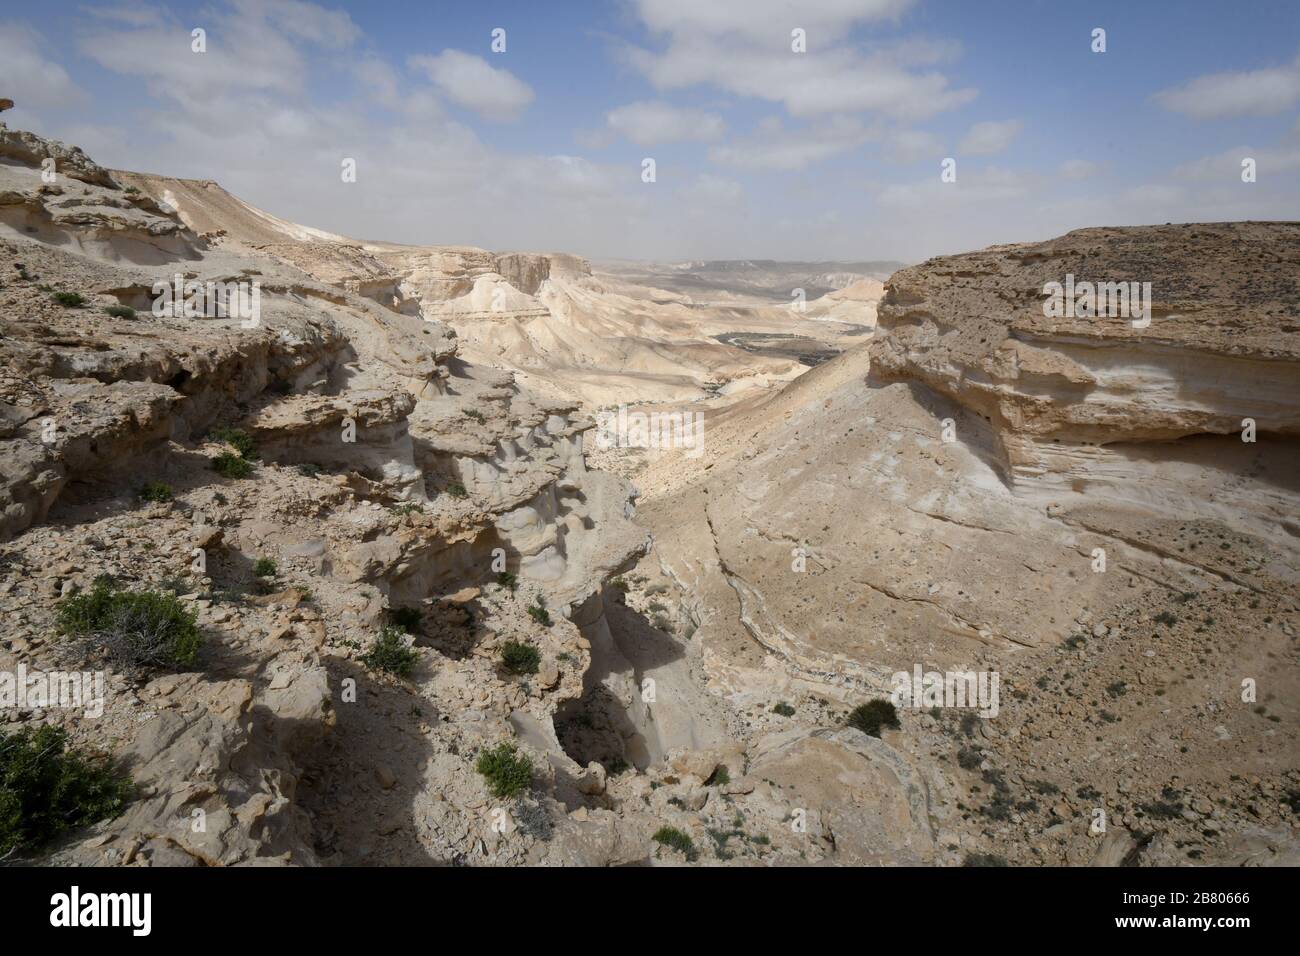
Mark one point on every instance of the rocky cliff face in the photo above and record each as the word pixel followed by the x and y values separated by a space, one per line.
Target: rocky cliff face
pixel 1074 503
pixel 1219 343
pixel 387 475
pixel 1154 411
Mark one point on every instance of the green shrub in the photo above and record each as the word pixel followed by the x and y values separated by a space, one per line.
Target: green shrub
pixel 457 490
pixel 309 469
pixel 156 491
pixel 47 790
pixel 507 580
pixel 539 613
pixel 137 629
pixel 475 414
pixel 120 312
pixel 520 658
pixel 130 190
pixel 407 618
pixel 721 777
pixel 508 772
pixel 390 654
pixel 873 716
pixel 264 568
pixel 784 709
pixel 232 466
pixel 984 859
pixel 70 300
pixel 676 839
pixel 237 439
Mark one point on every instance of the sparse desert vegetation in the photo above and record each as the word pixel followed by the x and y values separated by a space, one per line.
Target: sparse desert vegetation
pixel 133 628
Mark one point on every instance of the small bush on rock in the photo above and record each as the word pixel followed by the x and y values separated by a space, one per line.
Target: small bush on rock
pixel 874 716
pixel 121 312
pixel 676 839
pixel 237 439
pixel 47 790
pixel 520 658
pixel 539 613
pixel 508 773
pixel 232 466
pixel 137 629
pixel 390 654
pixel 156 491
pixel 69 300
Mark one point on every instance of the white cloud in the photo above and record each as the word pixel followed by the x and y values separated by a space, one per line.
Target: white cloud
pixel 772 146
pixel 649 122
pixel 249 51
pixel 838 80
pixel 743 47
pixel 762 18
pixel 27 77
pixel 983 186
pixel 137 15
pixel 709 190
pixel 272 138
pixel 1226 166
pixel 379 80
pixel 470 82
pixel 1251 93
pixel 1146 195
pixel 912 145
pixel 987 138
pixel 333 29
pixel 1077 169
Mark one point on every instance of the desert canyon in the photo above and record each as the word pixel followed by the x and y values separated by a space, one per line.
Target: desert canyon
pixel 902 467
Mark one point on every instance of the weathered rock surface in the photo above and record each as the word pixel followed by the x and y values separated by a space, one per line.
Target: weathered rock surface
pixel 1069 503
pixel 936 499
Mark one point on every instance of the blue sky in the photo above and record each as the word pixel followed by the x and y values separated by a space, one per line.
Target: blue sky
pixel 832 153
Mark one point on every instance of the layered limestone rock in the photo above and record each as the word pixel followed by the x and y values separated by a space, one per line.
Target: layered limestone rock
pixel 1218 343
pixel 984 488
pixel 1155 413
